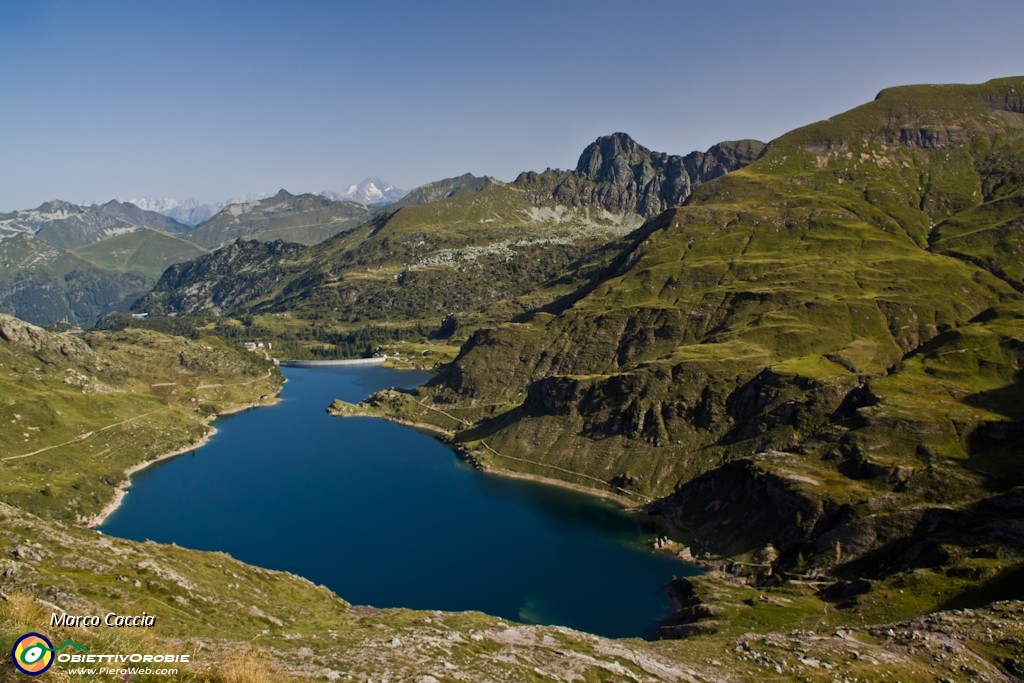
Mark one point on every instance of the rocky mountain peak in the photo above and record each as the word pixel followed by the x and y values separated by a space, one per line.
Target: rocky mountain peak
pixel 622 175
pixel 68 225
pixel 609 159
pixel 57 206
pixel 370 192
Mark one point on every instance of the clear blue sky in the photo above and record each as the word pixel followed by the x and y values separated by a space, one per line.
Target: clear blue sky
pixel 213 99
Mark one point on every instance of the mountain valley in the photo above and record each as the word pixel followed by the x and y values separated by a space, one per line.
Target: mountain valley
pixel 463 249
pixel 802 359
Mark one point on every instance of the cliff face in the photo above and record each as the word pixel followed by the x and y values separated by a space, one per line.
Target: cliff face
pixel 619 175
pixel 650 182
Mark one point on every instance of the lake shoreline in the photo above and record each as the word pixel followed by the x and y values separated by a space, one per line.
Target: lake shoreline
pixel 447 438
pixel 304 463
pixel 121 490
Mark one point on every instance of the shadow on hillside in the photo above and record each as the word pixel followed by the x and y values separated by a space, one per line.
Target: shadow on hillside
pixel 1007 585
pixel 995 445
pixel 940 536
pixel 1007 400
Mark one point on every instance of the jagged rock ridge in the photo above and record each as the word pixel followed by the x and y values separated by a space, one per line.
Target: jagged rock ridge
pixel 655 181
pixel 618 174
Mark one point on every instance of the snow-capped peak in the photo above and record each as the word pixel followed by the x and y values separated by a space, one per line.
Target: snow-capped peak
pixel 370 191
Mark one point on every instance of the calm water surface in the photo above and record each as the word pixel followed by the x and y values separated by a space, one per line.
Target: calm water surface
pixel 386 516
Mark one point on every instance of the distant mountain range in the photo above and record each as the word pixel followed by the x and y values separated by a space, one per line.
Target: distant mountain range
pixel 188 211
pixel 192 212
pixel 371 192
pixel 68 225
pixel 121 249
pixel 67 262
pixel 45 279
pixel 305 218
pixel 454 246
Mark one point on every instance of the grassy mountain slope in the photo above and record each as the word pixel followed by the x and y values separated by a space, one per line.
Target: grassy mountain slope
pixel 147 252
pixel 46 284
pixel 833 334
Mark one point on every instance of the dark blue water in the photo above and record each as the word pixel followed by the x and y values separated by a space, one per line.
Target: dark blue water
pixel 386 516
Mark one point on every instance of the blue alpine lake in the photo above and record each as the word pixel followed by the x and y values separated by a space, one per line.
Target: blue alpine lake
pixel 386 516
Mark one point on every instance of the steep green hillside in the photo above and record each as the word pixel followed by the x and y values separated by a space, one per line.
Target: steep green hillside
pixel 45 284
pixel 256 269
pixel 306 219
pixel 121 251
pixel 815 360
pixel 144 251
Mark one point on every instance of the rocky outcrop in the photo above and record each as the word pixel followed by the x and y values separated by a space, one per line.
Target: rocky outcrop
pixel 691 616
pixel 1011 100
pixel 20 333
pixel 771 401
pixel 618 174
pixel 927 138
pixel 905 539
pixel 738 507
